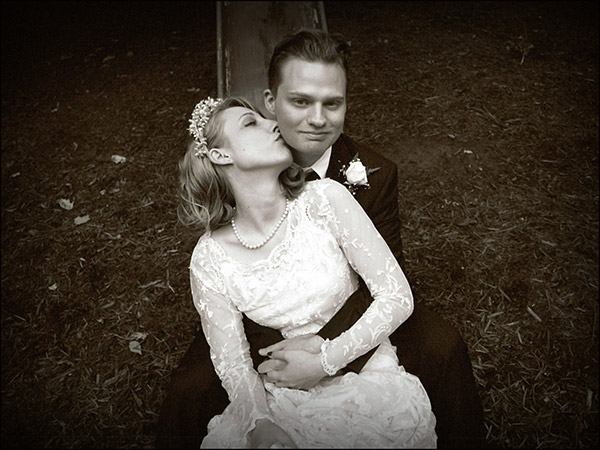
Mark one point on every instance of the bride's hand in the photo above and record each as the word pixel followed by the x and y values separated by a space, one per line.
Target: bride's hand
pixel 294 363
pixel 268 435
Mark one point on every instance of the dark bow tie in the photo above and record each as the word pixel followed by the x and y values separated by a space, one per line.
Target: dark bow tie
pixel 310 175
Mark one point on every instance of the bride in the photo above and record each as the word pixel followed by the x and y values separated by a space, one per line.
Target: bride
pixel 288 254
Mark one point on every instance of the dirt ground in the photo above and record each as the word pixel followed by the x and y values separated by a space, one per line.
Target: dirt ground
pixel 490 110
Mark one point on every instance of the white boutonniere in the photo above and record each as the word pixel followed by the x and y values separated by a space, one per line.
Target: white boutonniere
pixel 357 174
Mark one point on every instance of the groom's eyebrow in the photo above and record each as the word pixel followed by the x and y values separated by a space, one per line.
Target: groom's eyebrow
pixel 310 97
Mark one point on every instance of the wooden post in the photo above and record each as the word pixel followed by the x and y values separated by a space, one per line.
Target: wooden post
pixel 247 32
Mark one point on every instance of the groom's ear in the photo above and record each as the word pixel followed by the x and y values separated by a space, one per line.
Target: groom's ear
pixel 269 99
pixel 219 157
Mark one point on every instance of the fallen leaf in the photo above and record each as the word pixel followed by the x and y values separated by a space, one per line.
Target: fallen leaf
pixel 81 219
pixel 467 222
pixel 135 347
pixel 108 58
pixel 53 287
pixel 117 159
pixel 65 204
pixel 139 335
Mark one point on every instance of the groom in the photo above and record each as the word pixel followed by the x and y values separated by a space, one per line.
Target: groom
pixel 307 95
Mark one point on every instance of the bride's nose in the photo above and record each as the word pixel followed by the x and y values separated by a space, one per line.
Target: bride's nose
pixel 273 126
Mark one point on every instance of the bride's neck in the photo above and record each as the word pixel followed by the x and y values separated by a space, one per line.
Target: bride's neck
pixel 259 204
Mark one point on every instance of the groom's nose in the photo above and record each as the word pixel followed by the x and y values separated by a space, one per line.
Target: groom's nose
pixel 316 117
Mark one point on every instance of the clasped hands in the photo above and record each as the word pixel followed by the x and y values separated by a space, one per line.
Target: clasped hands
pixel 293 363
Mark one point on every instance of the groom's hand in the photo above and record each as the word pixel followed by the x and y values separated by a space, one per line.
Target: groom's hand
pixel 308 342
pixel 294 363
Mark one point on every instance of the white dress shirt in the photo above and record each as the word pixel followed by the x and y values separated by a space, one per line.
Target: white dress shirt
pixel 320 166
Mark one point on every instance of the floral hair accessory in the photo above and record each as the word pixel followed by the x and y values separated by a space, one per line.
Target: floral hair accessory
pixel 356 174
pixel 200 117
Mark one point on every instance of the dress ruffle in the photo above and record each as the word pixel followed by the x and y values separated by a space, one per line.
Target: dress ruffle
pixel 382 407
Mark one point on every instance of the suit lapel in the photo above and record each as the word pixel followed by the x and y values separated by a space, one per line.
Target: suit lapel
pixel 341 155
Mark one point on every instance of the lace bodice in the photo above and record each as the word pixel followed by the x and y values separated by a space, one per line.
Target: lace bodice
pixel 297 289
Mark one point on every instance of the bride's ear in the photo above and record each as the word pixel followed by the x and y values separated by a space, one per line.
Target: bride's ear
pixel 219 156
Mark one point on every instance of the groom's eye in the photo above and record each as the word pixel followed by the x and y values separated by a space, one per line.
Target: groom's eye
pixel 249 123
pixel 300 102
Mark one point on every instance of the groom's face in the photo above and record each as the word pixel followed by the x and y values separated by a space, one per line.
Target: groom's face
pixel 310 107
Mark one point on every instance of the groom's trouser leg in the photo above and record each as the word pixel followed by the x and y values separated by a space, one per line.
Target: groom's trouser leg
pixel 194 396
pixel 432 349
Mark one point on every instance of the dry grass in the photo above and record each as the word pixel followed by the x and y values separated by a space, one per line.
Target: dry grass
pixel 490 110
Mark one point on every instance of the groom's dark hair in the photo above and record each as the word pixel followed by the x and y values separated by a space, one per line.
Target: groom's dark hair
pixel 310 45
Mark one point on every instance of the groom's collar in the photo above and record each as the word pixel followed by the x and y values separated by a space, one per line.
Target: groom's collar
pixel 335 157
pixel 320 166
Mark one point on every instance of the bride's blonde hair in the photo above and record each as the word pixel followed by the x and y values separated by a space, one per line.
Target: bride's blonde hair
pixel 206 198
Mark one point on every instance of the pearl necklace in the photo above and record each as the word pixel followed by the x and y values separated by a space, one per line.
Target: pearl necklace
pixel 268 238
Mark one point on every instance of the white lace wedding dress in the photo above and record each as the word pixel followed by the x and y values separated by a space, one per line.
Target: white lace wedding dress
pixel 297 289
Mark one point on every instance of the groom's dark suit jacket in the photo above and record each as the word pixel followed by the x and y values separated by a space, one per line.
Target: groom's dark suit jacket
pixel 380 201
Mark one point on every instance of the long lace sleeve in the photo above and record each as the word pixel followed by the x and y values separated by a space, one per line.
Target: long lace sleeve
pixel 370 257
pixel 229 348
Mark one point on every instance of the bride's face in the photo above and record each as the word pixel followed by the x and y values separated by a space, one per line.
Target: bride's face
pixel 253 142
